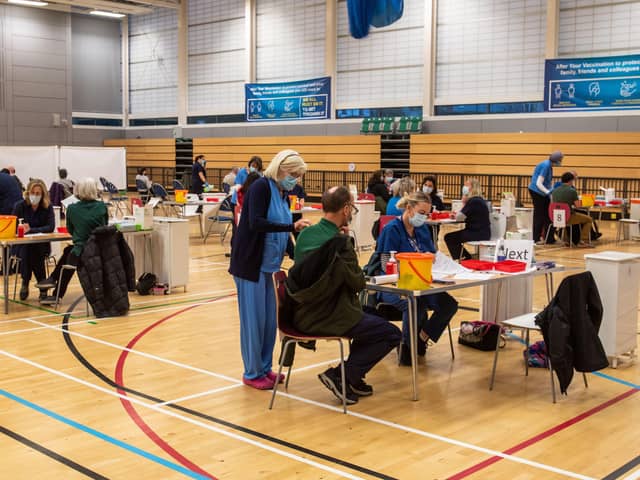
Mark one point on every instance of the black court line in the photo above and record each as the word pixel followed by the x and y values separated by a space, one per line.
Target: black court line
pixel 263 436
pixel 51 454
pixel 471 309
pixel 623 469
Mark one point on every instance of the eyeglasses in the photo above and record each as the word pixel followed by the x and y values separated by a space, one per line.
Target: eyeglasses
pixel 354 209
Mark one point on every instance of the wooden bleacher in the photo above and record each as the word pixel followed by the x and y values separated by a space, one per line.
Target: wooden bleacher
pixel 156 154
pixel 328 153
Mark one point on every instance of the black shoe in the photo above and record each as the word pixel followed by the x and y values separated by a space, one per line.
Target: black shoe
pixel 361 388
pixel 331 379
pixel 43 295
pixel 46 284
pixel 50 300
pixel 595 235
pixel 422 348
pixel 24 291
pixel 404 355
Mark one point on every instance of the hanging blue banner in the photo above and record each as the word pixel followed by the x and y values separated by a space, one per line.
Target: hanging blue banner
pixel 304 100
pixel 601 83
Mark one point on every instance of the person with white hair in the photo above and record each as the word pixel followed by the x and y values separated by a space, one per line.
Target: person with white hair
pixel 261 240
pixel 82 218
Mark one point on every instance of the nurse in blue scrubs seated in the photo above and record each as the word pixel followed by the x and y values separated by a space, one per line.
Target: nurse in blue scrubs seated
pixel 259 245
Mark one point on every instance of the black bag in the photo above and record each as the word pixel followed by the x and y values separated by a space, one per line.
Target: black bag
pixel 479 335
pixel 145 283
pixel 373 266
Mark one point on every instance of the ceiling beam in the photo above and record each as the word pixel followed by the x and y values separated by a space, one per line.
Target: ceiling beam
pixel 107 5
pixel 159 3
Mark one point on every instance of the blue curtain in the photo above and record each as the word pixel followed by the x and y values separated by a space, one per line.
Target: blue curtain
pixel 379 13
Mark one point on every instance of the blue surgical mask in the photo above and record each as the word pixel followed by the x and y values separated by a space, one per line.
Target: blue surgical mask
pixel 427 190
pixel 388 179
pixel 465 191
pixel 418 219
pixel 252 169
pixel 288 182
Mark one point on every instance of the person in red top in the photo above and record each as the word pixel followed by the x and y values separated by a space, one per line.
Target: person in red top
pixel 252 177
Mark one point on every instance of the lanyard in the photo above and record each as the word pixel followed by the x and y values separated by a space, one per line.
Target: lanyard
pixel 414 244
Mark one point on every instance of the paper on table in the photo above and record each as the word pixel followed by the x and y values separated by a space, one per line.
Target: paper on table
pixel 382 279
pixel 444 265
pixel 70 200
pixel 473 276
pixel 39 234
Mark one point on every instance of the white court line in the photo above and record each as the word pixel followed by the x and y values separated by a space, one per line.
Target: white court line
pixel 201 394
pixel 170 413
pixel 633 476
pixel 185 295
pixel 134 314
pixel 433 436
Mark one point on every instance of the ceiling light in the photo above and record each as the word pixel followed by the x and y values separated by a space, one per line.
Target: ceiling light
pixel 31 3
pixel 107 14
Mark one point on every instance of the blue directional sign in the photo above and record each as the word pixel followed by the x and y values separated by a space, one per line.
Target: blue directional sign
pixel 303 100
pixel 602 83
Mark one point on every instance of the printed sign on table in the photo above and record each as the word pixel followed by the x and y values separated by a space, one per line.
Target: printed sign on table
pixel 303 100
pixel 601 83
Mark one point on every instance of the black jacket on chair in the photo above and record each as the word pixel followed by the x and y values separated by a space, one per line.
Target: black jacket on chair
pixel 107 272
pixel 570 325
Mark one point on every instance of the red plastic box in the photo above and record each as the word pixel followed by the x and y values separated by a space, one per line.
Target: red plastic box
pixel 477 264
pixel 510 266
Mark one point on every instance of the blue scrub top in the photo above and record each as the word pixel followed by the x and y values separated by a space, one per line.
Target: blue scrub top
pixel 275 243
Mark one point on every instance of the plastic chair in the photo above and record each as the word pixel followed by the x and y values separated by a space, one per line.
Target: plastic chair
pixel 526 323
pixel 116 198
pixel 557 220
pixel 158 191
pixel 366 125
pixel 14 265
pixel 143 190
pixel 384 220
pixel 294 336
pixel 177 185
pixel 217 219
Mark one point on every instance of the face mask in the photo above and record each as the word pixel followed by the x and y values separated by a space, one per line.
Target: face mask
pixel 388 179
pixel 288 182
pixel 252 169
pixel 465 191
pixel 34 199
pixel 427 190
pixel 418 219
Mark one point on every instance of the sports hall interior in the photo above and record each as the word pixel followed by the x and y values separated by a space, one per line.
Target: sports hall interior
pixel 158 394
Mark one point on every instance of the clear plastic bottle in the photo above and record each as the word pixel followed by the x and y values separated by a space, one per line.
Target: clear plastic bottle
pixel 502 252
pixel 20 228
pixel 391 267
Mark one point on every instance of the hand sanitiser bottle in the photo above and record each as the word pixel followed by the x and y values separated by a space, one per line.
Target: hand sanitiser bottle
pixel 20 228
pixel 391 267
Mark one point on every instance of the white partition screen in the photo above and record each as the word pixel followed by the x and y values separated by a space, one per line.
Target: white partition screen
pixel 32 162
pixel 95 162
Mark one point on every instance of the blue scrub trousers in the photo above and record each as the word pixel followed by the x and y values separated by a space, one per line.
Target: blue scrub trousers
pixel 257 306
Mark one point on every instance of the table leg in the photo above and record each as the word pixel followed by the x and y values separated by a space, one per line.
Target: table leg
pixel 5 275
pixel 413 315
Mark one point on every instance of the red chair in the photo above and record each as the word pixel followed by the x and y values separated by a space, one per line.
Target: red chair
pixel 367 196
pixel 384 219
pixel 556 220
pixel 294 336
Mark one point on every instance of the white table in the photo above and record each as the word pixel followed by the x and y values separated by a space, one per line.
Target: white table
pixel 412 297
pixel 7 243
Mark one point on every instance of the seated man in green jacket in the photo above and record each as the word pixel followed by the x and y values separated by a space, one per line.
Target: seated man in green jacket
pixel 566 193
pixel 324 284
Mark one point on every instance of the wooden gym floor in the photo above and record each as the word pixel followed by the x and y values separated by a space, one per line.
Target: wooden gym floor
pixel 157 395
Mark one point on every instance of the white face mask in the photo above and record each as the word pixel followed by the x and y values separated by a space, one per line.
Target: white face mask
pixel 418 219
pixel 34 199
pixel 427 190
pixel 465 191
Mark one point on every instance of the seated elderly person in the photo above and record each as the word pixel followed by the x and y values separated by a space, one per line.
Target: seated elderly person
pixel 567 194
pixel 324 284
pixel 82 218
pixel 399 188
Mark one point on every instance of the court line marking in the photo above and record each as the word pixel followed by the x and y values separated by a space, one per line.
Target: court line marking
pixel 633 476
pixel 618 472
pixel 100 435
pixel 170 413
pixel 201 394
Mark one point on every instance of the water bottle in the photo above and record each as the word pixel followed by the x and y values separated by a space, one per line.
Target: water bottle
pixel 391 268
pixel 502 252
pixel 20 228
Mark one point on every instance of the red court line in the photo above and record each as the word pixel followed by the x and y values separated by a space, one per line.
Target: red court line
pixel 543 435
pixel 131 411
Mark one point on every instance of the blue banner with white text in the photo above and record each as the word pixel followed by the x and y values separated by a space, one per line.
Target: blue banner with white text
pixel 601 83
pixel 303 100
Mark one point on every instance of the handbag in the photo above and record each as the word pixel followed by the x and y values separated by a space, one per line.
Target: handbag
pixel 479 335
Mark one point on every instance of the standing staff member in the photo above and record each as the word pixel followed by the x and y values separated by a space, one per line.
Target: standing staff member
pixel 540 190
pixel 199 175
pixel 37 213
pixel 259 244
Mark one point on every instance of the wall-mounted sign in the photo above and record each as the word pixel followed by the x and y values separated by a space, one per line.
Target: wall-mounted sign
pixel 605 83
pixel 303 100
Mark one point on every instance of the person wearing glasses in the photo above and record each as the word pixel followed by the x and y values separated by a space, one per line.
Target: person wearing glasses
pixel 410 233
pixel 324 284
pixel 259 245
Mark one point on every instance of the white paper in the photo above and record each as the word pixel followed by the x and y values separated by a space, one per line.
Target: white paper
pixel 153 202
pixel 70 200
pixel 382 279
pixel 473 276
pixel 445 265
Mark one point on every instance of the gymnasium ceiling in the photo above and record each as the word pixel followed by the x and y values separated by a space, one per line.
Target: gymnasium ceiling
pixel 126 7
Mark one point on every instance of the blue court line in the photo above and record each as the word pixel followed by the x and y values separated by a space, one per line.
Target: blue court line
pixel 105 437
pixel 599 374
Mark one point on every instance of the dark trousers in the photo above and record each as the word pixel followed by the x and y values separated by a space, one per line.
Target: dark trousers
pixel 541 218
pixel 454 241
pixel 67 258
pixel 373 338
pixel 32 261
